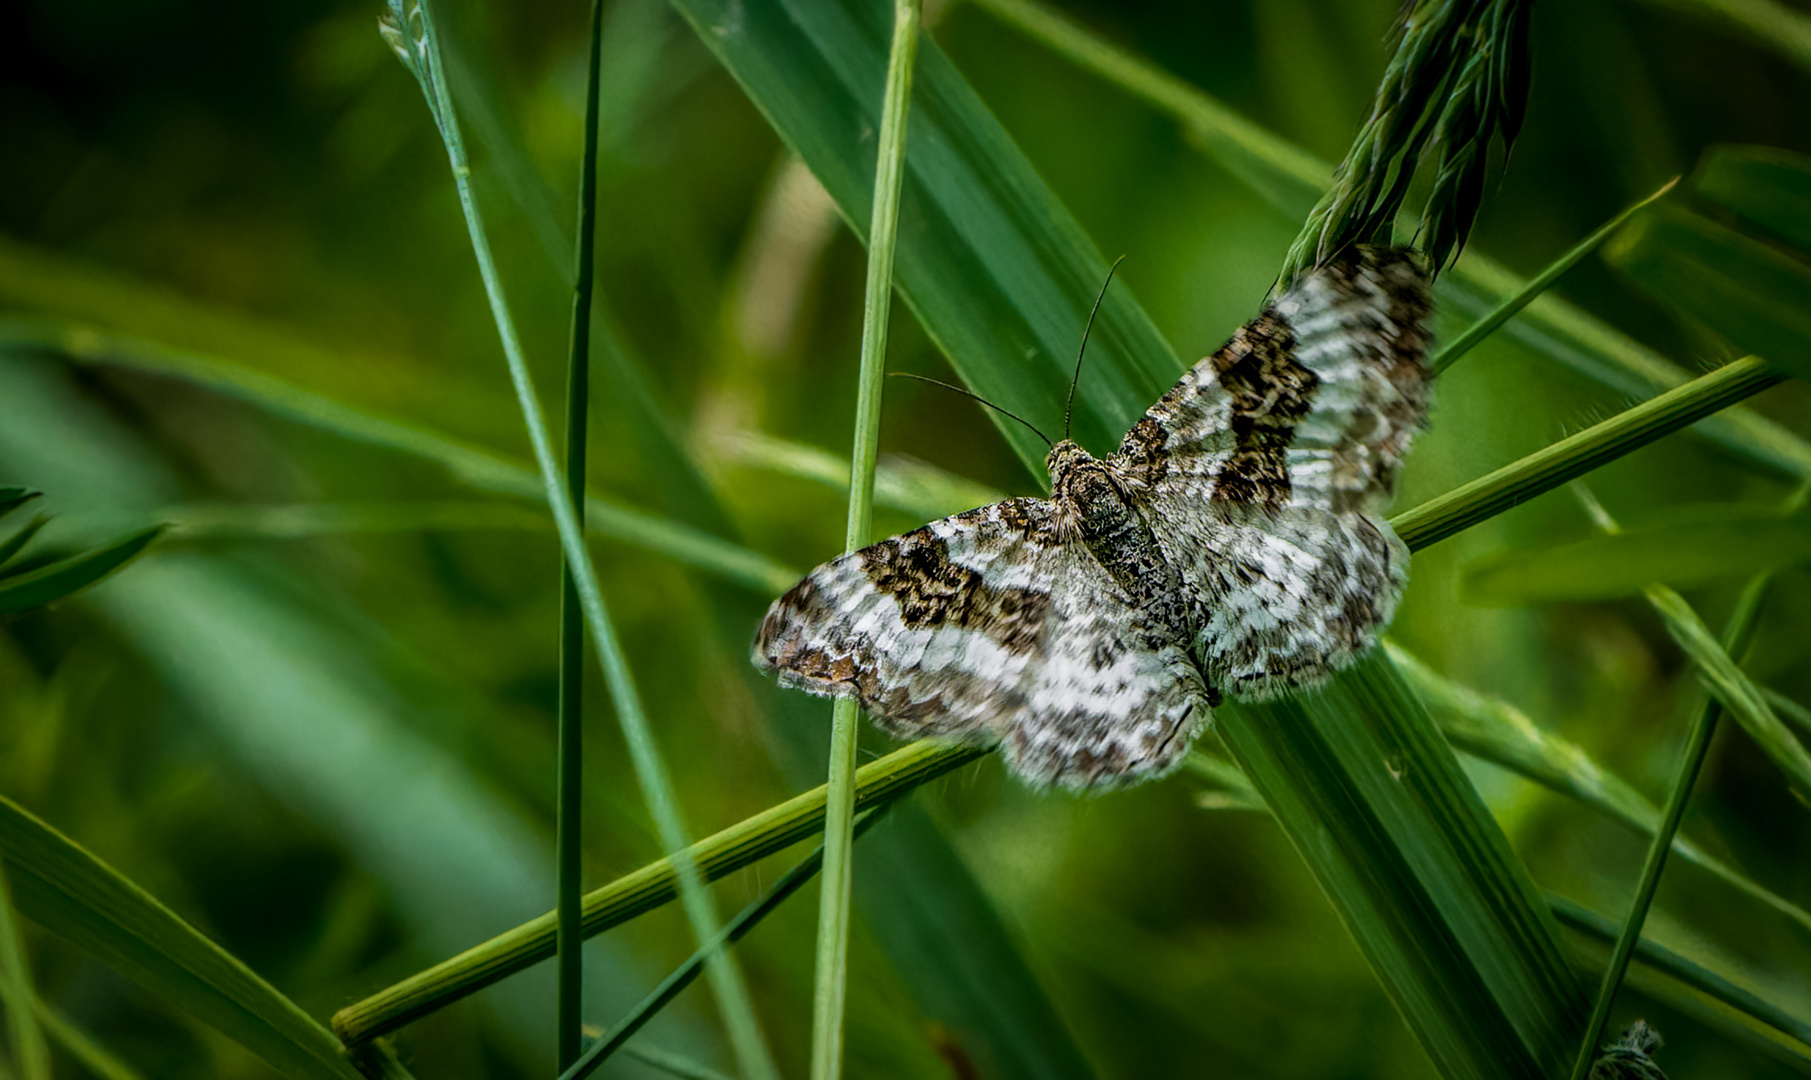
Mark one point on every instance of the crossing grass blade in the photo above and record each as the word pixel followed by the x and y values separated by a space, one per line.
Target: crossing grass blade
pixel 475 466
pixel 24 1029
pixel 48 584
pixel 72 894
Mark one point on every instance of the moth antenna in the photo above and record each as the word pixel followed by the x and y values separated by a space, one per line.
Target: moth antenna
pixel 977 397
pixel 1069 407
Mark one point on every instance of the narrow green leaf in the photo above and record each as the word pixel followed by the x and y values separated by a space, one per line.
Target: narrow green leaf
pixel 12 545
pixel 1768 188
pixel 746 842
pixel 74 895
pixel 672 1064
pixel 1492 730
pixel 94 1057
pixel 1694 975
pixel 1540 283
pixel 1578 454
pixel 831 989
pixel 24 1031
pixel 475 466
pixel 899 483
pixel 1729 685
pixel 1788 708
pixel 651 772
pixel 48 584
pixel 12 497
pixel 687 973
pixel 297 521
pixel 1738 543
pixel 1749 292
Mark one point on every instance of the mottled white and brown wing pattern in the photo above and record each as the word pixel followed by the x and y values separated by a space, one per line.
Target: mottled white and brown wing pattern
pixel 989 627
pixel 1232 543
pixel 1265 469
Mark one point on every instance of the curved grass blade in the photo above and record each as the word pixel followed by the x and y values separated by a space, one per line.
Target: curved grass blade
pixel 74 895
pixel 94 1057
pixel 1292 180
pixel 900 483
pixel 299 521
pixel 12 545
pixel 672 1064
pixel 1749 292
pixel 1694 975
pixel 1576 455
pixel 1788 708
pixel 687 973
pixel 1769 189
pixel 12 497
pixel 1493 730
pixel 24 1031
pixel 48 584
pixel 475 466
pixel 409 26
pixel 746 842
pixel 1737 543
pixel 1540 283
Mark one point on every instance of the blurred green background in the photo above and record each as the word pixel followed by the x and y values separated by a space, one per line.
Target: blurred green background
pixel 326 737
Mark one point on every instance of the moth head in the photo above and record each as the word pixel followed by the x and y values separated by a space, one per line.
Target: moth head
pixel 1062 459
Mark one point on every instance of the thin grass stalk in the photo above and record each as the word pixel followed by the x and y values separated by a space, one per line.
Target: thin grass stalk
pixel 1537 285
pixel 650 768
pixel 568 886
pixel 831 987
pixel 31 1054
pixel 685 974
pixel 1736 637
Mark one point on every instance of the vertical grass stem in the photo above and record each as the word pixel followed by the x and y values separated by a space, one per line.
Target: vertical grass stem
pixel 413 37
pixel 839 822
pixel 1736 636
pixel 568 888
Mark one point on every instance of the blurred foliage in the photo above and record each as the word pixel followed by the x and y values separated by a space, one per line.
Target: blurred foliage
pixel 322 733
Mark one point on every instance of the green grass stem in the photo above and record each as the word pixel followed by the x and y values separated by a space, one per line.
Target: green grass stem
pixel 687 973
pixel 31 1054
pixel 1736 637
pixel 650 768
pixel 568 847
pixel 1576 455
pixel 831 987
pixel 1536 285
pixel 742 844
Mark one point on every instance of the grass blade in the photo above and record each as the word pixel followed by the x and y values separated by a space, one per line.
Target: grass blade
pixel 1495 731
pixel 734 930
pixel 650 769
pixel 568 849
pixel 92 1056
pixel 740 845
pixel 831 988
pixel 1750 292
pixel 74 895
pixel 1724 543
pixel 475 466
pixel 672 1064
pixel 1576 455
pixel 1540 283
pixel 24 1032
pixel 48 584
pixel 1769 189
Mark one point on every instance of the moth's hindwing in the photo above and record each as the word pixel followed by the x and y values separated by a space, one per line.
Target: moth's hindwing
pixel 990 627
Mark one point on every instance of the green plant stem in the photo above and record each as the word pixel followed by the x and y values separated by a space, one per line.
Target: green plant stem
pixel 831 986
pixel 568 848
pixel 1537 285
pixel 650 768
pixel 1572 457
pixel 1736 636
pixel 684 975
pixel 31 1054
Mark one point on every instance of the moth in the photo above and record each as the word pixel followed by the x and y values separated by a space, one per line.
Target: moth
pixel 1233 544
